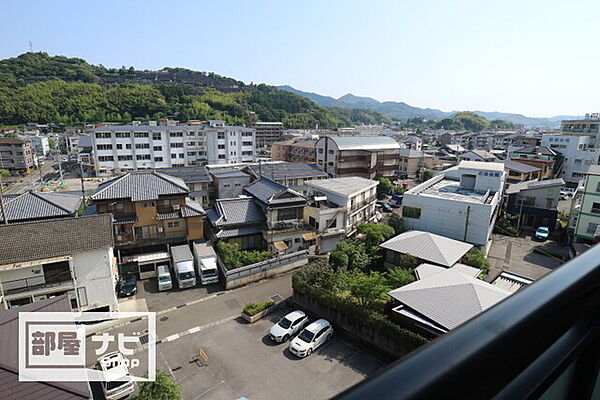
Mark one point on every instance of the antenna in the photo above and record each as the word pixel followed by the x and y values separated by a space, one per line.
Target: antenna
pixel 30 46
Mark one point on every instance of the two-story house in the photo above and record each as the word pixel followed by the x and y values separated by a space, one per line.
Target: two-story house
pixel 73 256
pixel 149 208
pixel 536 202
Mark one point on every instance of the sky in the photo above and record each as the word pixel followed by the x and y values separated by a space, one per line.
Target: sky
pixel 538 58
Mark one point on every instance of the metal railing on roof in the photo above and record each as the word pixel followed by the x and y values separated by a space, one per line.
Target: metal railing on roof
pixel 544 339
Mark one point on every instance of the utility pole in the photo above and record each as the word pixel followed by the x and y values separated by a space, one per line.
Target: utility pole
pixel 467 223
pixel 82 186
pixel 520 217
pixel 2 202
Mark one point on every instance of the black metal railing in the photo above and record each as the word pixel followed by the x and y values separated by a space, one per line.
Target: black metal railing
pixel 543 340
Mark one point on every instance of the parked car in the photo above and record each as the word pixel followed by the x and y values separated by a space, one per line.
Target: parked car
pixel 164 277
pixel 288 326
pixel 120 387
pixel 311 337
pixel 127 286
pixel 542 233
pixel 386 207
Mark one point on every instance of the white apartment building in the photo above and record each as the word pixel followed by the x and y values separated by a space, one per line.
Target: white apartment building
pixel 460 203
pixel 123 148
pixel 588 126
pixel 40 145
pixel 577 152
pixel 356 196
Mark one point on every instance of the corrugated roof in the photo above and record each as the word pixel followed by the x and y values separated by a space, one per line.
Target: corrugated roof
pixel 491 166
pixel 428 247
pixel 271 192
pixel 278 171
pixel 54 238
pixel 530 185
pixel 40 205
pixel 10 387
pixel 345 186
pixel 520 167
pixel 449 298
pixel 425 270
pixel 139 186
pixel 536 150
pixel 190 174
pixel 228 172
pixel 364 142
pixel 410 153
pixel 235 211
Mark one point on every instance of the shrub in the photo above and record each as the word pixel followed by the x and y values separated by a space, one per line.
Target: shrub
pixel 477 259
pixel 427 174
pixel 163 388
pixel 338 260
pixel 385 187
pixel 398 277
pixel 232 257
pixel 396 222
pixel 254 308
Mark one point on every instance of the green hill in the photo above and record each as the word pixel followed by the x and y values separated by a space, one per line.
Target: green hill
pixel 36 87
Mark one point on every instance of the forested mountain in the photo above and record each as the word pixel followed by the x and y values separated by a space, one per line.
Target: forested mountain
pixel 36 87
pixel 403 111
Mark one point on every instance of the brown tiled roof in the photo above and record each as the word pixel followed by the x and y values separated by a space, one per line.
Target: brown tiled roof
pixel 54 238
pixel 11 140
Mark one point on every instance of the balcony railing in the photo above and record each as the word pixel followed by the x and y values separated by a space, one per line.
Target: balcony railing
pixel 595 210
pixel 33 283
pixel 289 224
pixel 544 339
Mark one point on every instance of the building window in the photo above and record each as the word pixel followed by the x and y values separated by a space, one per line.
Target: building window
pixel 175 134
pixel 157 148
pixel 591 228
pixel 175 145
pixel 125 135
pixel 119 146
pixel 142 157
pixel 181 155
pixel 221 135
pixel 142 145
pixel 128 146
pixel 156 136
pixel 103 135
pixel 106 158
pixel 222 147
pixel 597 186
pixel 174 224
pixel 103 147
pixel 125 158
pixel 140 134
pixel 159 159
pixel 320 151
pixel 173 155
pixel 595 208
pixel 246 143
pixel 221 156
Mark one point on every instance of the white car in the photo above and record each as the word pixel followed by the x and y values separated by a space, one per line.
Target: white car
pixel 288 326
pixel 118 383
pixel 313 336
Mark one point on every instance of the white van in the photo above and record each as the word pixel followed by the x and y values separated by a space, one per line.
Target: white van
pixel 118 383
pixel 206 260
pixel 164 277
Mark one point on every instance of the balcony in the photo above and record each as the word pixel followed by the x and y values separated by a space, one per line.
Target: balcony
pixel 542 341
pixel 286 225
pixel 595 210
pixel 36 283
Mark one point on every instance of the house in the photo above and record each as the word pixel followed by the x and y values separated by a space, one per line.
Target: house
pixel 413 162
pixel 356 195
pixel 43 259
pixel 228 182
pixel 328 221
pixel 478 155
pixel 149 208
pixel 584 216
pixel 11 387
pixel 536 202
pixel 459 203
pixel 537 156
pixel 198 180
pixel 425 246
pixel 15 154
pixel 368 157
pixel 292 175
pixel 443 299
pixel 518 172
pixel 284 212
pixel 33 206
pixel 237 220
pixel 414 143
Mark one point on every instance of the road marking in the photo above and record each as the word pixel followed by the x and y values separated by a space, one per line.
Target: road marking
pixel 194 330
pixel 171 338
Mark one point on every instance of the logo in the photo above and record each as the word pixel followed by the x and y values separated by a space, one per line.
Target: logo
pixel 95 346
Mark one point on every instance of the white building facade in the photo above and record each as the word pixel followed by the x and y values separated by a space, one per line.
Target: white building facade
pixel 578 154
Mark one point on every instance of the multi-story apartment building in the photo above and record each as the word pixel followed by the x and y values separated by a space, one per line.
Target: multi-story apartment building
pixel 15 154
pixel 40 145
pixel 578 154
pixel 130 147
pixel 43 259
pixel 460 203
pixel 294 151
pixel 413 162
pixel 267 133
pixel 149 208
pixel 584 217
pixel 368 157
pixel 588 126
pixel 354 194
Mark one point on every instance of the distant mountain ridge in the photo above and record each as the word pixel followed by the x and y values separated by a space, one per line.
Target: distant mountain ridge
pixel 403 111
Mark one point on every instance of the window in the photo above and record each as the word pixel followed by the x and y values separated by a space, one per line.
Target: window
pixel 140 134
pixel 125 158
pixel 330 152
pixel 173 155
pixel 411 212
pixel 191 153
pixel 221 156
pixel 103 135
pixel 83 300
pixel 320 151
pixel 174 224
pixel 192 143
pixel 246 143
pixel 175 134
pixel 119 146
pixel 221 135
pixel 106 158
pixel 181 155
pixel 598 187
pixel 190 133
pixel 104 147
pixel 142 157
pixel 158 159
pixel 246 133
pixel 142 145
pixel 247 153
pixel 125 135
pixel 596 208
pixel 156 136
pixel 128 146
pixel 227 185
pixel 157 148
pixel 578 162
pixel 148 204
pixel 175 145
pixel 591 228
pixel 222 147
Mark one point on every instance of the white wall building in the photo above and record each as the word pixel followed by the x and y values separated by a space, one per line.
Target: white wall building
pixel 40 145
pixel 578 155
pixel 460 203
pixel 130 147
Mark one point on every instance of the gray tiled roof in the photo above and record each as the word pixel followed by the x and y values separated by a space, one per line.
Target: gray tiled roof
pixel 536 150
pixel 54 238
pixel 520 167
pixel 241 231
pixel 278 171
pixel 10 386
pixel 230 172
pixel 139 186
pixel 40 205
pixel 271 192
pixel 449 298
pixel 190 174
pixel 235 211
pixel 428 246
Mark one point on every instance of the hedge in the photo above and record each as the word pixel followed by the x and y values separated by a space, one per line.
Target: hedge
pixel 254 308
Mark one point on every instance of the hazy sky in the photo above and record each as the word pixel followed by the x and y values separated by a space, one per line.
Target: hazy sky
pixel 538 58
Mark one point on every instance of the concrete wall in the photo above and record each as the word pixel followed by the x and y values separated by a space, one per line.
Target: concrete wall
pixel 93 270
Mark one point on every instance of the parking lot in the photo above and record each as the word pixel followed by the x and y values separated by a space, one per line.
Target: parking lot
pixel 515 254
pixel 147 289
pixel 244 362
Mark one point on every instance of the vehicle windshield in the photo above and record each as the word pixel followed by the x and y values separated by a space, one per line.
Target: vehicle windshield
pixel 129 280
pixel 544 230
pixel 209 272
pixel 306 336
pixel 164 278
pixel 285 323
pixel 186 275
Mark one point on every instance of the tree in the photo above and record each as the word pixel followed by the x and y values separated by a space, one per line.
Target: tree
pixel 477 259
pixel 427 174
pixel 398 277
pixel 338 260
pixel 366 288
pixel 356 252
pixel 163 388
pixel 375 234
pixel 385 187
pixel 4 173
pixel 408 261
pixel 396 222
pixel 234 258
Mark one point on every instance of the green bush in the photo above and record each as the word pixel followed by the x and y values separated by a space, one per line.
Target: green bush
pixel 339 260
pixel 427 175
pixel 163 388
pixel 232 257
pixel 254 308
pixel 411 212
pixel 385 187
pixel 398 277
pixel 477 259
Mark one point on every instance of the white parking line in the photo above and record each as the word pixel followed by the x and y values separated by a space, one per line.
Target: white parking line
pixel 194 330
pixel 171 338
